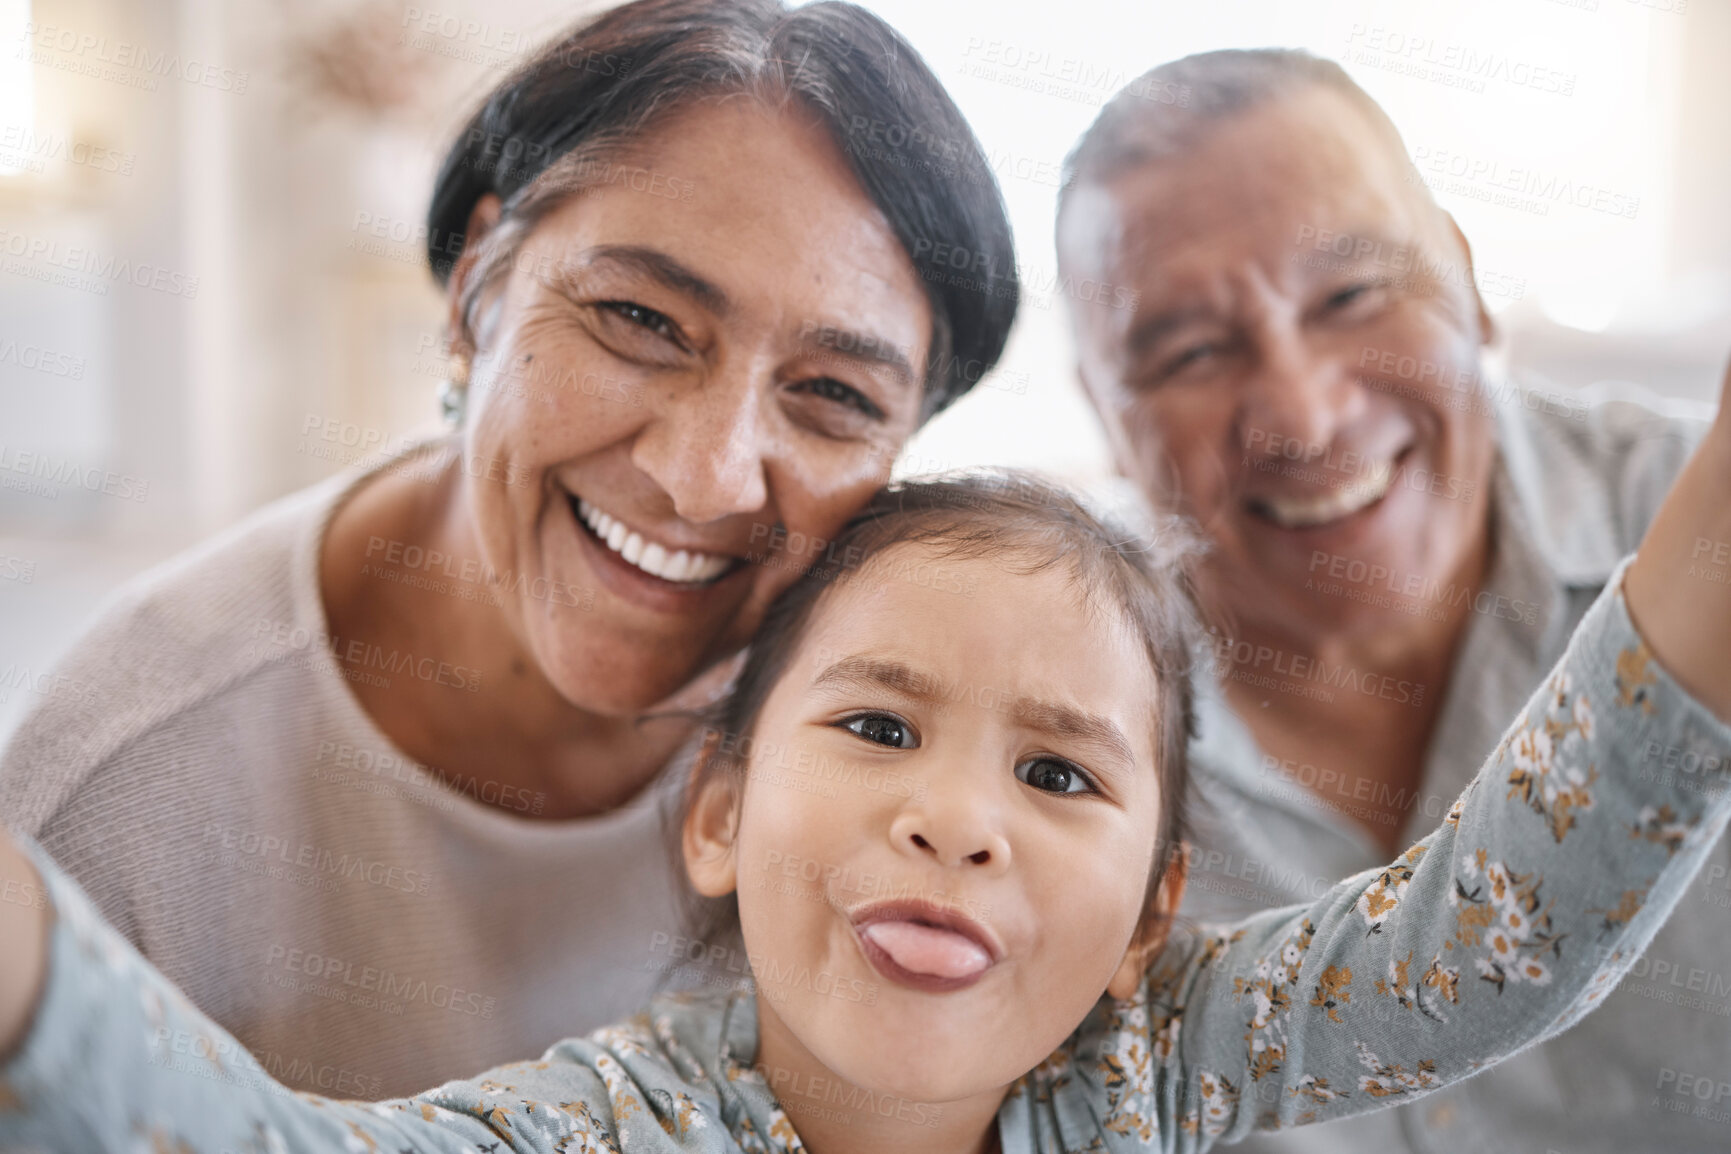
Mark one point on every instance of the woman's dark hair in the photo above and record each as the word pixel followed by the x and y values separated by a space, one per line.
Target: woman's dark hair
pixel 549 128
pixel 1027 526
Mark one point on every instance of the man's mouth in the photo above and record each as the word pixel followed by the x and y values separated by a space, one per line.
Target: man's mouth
pixel 923 946
pixel 678 566
pixel 1292 511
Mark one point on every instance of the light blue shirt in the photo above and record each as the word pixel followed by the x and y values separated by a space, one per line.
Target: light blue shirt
pixel 1576 485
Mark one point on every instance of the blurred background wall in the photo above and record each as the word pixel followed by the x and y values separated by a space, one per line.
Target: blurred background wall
pixel 212 288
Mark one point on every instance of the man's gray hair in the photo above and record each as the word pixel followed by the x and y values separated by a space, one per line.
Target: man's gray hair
pixel 1164 112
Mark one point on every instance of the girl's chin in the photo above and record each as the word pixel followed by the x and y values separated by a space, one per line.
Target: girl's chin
pixel 920 1070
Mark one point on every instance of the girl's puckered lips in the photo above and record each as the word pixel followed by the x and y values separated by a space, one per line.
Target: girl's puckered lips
pixel 924 946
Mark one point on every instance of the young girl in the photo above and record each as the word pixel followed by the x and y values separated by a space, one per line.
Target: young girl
pixel 946 797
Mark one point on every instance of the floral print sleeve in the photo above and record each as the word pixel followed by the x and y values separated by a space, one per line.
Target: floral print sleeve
pixel 1542 886
pixel 118 1060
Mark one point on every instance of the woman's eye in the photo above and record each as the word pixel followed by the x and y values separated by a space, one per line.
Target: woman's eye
pixel 831 389
pixel 882 729
pixel 658 323
pixel 1050 775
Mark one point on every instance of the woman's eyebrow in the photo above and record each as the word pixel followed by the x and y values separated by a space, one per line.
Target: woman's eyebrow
pixel 658 266
pixel 863 348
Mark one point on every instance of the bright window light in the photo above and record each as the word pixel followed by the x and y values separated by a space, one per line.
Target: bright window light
pixel 17 84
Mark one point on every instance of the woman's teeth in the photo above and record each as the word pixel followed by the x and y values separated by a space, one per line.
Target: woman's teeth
pixel 1307 513
pixel 650 556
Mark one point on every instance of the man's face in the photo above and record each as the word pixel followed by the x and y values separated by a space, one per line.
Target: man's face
pixel 1299 373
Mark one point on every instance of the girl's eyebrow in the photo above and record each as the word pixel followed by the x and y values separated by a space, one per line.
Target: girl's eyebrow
pixel 1064 721
pixel 877 673
pixel 1050 717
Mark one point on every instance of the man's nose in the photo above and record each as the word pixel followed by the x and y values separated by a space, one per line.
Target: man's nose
pixel 954 827
pixel 706 446
pixel 1294 392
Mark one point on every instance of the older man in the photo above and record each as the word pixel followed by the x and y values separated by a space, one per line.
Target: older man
pixel 1400 546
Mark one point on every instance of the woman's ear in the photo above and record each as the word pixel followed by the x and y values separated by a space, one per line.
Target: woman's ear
pixel 482 218
pixel 1150 937
pixel 711 826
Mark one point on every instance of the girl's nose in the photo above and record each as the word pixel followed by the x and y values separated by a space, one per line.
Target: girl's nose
pixel 953 834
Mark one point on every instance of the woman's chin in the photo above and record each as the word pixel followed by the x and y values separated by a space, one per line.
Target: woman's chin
pixel 612 685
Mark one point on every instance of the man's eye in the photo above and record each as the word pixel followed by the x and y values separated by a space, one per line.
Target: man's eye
pixel 1050 775
pixel 831 389
pixel 882 729
pixel 1193 355
pixel 1350 295
pixel 658 323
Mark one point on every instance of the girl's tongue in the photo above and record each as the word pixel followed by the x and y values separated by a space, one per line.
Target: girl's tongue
pixel 927 949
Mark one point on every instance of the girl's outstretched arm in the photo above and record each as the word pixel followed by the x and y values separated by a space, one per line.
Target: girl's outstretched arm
pixel 1544 884
pixel 99 1052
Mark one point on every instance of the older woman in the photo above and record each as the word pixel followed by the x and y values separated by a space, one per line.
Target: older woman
pixel 336 763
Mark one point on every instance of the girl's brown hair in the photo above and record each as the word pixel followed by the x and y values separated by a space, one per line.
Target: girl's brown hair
pixel 1028 525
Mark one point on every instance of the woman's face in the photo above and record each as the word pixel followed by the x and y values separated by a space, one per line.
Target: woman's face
pixel 948 820
pixel 694 371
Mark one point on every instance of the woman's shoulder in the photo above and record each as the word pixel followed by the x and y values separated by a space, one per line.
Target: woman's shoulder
pixel 170 640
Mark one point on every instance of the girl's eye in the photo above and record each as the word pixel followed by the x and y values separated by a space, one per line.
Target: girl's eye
pixel 1049 775
pixel 831 389
pixel 658 323
pixel 881 729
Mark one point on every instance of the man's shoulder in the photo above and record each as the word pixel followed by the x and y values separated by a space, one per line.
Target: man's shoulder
pixel 1608 420
pixel 167 642
pixel 1591 467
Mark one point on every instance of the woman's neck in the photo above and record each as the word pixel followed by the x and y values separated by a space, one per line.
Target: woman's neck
pixel 833 1116
pixel 485 718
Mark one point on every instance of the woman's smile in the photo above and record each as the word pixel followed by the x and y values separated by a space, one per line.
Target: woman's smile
pixel 635 579
pixel 677 566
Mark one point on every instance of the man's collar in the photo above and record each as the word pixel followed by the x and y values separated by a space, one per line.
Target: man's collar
pixel 1545 482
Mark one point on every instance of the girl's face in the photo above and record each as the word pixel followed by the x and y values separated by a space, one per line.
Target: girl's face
pixel 712 353
pixel 946 829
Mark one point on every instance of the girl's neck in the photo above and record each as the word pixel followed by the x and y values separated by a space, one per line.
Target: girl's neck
pixel 833 1116
pixel 524 747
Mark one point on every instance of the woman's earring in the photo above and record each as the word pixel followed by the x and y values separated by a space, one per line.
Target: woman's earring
pixel 454 391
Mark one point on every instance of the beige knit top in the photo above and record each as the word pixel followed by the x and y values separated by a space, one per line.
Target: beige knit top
pixel 202 768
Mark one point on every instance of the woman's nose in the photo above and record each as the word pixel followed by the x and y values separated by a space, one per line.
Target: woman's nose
pixel 706 447
pixel 953 834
